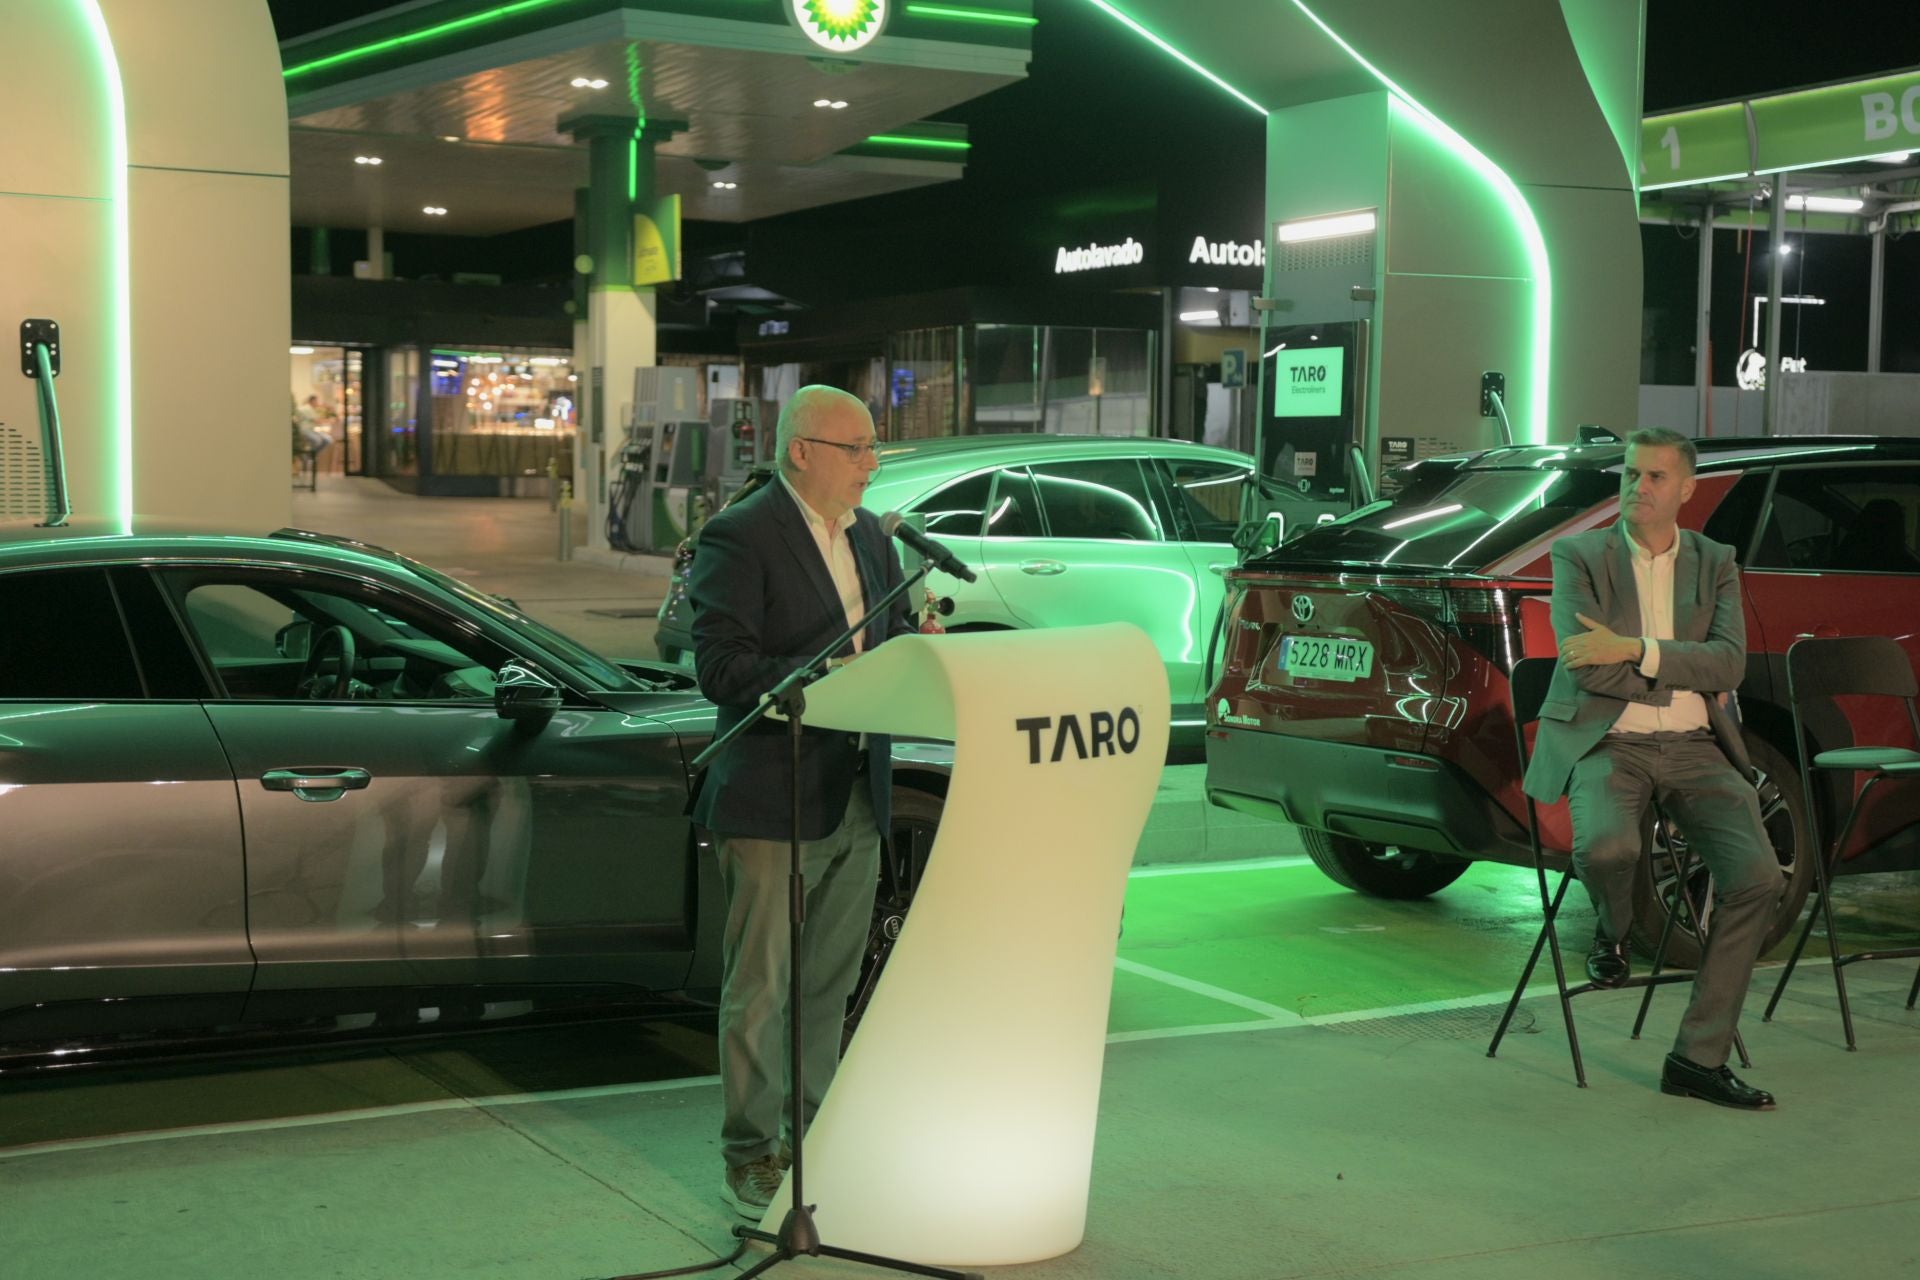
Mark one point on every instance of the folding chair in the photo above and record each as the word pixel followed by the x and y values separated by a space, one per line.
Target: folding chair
pixel 1527 689
pixel 1820 669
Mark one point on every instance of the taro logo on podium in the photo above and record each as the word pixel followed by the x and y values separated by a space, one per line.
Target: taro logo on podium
pixel 1105 732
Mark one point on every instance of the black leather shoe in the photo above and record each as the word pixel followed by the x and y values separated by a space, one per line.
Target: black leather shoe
pixel 1607 965
pixel 1685 1078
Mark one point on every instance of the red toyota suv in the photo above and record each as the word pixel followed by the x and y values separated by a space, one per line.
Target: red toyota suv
pixel 1363 691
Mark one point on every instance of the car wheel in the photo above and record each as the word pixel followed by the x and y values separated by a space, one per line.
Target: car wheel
pixel 1381 870
pixel 1656 892
pixel 903 860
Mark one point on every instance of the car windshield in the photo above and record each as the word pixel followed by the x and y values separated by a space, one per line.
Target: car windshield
pixel 605 674
pixel 1476 518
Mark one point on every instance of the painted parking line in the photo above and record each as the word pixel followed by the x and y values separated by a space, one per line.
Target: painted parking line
pixel 1273 1013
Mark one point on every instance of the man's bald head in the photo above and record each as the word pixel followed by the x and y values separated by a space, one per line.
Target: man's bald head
pixel 802 416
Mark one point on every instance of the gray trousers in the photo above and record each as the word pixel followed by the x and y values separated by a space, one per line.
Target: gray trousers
pixel 841 872
pixel 1720 813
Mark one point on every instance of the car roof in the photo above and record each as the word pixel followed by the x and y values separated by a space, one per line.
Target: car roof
pixel 1722 453
pixel 286 546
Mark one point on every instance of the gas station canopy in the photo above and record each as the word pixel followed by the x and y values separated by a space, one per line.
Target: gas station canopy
pixel 463 108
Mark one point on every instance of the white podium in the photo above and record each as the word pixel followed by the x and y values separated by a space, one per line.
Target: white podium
pixel 959 1129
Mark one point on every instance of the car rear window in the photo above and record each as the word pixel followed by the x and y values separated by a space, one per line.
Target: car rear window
pixel 1478 517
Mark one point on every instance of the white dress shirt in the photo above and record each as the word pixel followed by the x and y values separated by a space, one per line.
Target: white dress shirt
pixel 1653 578
pixel 836 550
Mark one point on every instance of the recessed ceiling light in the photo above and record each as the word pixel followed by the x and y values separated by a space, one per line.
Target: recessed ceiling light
pixel 367 160
pixel 434 210
pixel 834 104
pixel 725 186
pixel 449 137
pixel 299 351
pixel 583 82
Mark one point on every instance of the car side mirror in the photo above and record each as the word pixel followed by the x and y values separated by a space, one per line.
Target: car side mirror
pixel 295 640
pixel 524 696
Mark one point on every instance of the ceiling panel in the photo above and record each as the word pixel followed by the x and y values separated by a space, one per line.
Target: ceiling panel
pixel 750 119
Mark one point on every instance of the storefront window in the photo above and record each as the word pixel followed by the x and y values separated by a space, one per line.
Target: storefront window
pixel 327 385
pixel 1006 377
pixel 924 384
pixel 503 413
pixel 402 456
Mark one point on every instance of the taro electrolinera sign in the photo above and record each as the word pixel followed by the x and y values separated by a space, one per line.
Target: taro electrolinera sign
pixel 839 26
pixel 1307 381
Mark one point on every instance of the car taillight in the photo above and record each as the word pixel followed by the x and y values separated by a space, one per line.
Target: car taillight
pixel 1484 616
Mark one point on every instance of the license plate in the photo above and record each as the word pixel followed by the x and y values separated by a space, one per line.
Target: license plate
pixel 1326 658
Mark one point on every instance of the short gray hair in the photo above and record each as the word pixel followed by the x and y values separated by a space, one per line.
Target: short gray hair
pixel 798 417
pixel 1654 437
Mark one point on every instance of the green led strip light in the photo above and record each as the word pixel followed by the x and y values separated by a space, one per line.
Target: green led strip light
pixel 415 37
pixel 1177 55
pixel 901 140
pixel 1532 427
pixel 972 15
pixel 120 355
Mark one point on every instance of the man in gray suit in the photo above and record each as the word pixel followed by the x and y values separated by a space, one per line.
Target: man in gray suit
pixel 776 577
pixel 1652 639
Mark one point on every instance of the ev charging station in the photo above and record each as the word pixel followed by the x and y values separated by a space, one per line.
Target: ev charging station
pixel 1453 254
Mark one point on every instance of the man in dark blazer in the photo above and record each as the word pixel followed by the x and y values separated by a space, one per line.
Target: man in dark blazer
pixel 776 577
pixel 1652 639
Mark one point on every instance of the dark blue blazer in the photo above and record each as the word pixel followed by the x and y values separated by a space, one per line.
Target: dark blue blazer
pixel 763 604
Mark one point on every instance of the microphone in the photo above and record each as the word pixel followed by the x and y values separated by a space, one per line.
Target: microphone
pixel 894 525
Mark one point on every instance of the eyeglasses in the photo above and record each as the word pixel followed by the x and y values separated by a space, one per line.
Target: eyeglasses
pixel 854 452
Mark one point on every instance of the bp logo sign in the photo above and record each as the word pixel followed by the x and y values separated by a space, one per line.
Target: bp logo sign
pixel 840 26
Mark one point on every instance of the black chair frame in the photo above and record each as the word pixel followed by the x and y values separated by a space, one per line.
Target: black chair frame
pixel 1527 690
pixel 1825 667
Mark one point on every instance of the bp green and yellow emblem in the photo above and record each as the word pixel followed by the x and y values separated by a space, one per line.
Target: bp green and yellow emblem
pixel 840 25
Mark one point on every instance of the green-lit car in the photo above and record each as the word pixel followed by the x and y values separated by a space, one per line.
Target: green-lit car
pixel 254 789
pixel 1066 530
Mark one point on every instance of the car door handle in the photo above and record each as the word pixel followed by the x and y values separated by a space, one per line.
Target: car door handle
pixel 1042 568
pixel 316 785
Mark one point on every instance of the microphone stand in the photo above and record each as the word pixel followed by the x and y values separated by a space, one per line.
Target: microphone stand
pixel 797 1234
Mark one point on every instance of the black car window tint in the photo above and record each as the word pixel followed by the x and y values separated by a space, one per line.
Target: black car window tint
pixel 958 510
pixel 1098 498
pixel 61 638
pixel 1844 519
pixel 1732 521
pixel 1207 496
pixel 1014 509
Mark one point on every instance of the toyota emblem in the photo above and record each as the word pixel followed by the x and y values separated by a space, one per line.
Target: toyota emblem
pixel 1303 608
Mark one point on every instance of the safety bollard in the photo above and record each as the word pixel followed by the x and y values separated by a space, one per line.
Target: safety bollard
pixel 553 484
pixel 566 519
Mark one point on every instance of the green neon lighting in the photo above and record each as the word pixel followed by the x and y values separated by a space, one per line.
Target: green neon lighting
pixel 480 19
pixel 972 15
pixel 1695 182
pixel 120 354
pixel 1532 426
pixel 901 140
pixel 1178 56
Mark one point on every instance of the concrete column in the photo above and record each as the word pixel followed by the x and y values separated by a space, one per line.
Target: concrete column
pixel 1703 327
pixel 376 253
pixel 619 328
pixel 1776 281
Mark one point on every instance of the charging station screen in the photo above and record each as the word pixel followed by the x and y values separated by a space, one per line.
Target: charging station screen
pixel 1308 382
